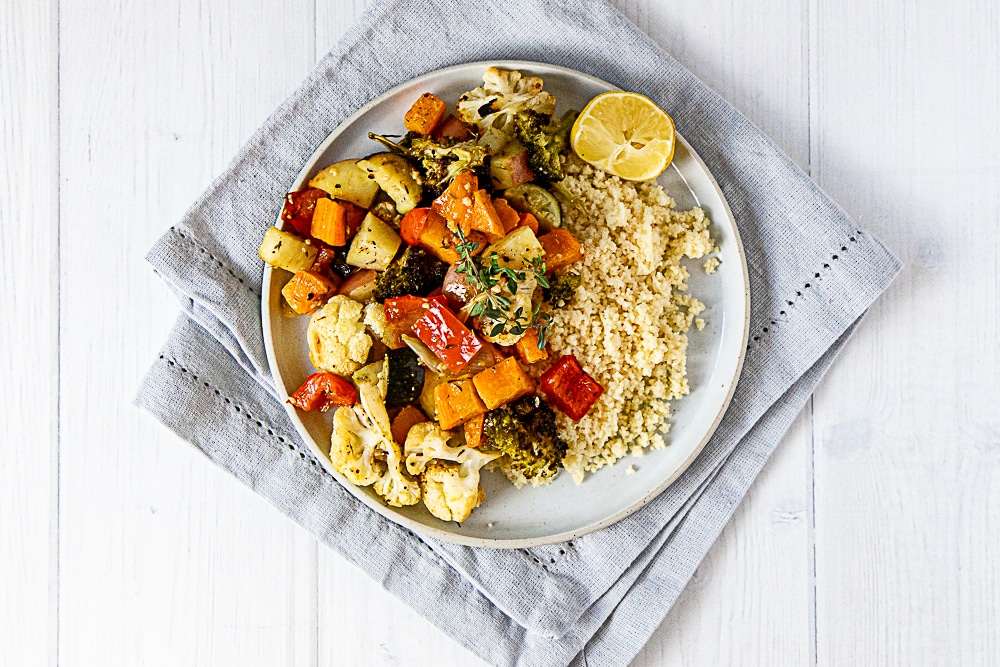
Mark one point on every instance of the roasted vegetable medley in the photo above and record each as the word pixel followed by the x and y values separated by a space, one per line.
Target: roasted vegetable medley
pixel 429 271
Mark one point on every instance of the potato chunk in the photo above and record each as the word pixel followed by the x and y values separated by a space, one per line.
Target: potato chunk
pixel 374 246
pixel 345 180
pixel 517 249
pixel 286 251
pixel 396 176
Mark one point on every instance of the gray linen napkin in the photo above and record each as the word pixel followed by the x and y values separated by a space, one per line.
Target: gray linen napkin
pixel 813 274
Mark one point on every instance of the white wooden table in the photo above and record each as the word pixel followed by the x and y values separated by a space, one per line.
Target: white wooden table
pixel 871 537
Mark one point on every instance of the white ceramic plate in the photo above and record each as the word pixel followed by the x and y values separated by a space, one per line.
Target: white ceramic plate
pixel 517 518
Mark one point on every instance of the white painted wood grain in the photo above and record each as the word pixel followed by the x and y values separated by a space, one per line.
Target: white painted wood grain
pixel 359 623
pixel 165 559
pixel 753 54
pixel 907 425
pixel 29 297
pixel 751 599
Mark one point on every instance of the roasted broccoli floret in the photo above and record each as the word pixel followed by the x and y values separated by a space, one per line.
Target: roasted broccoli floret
pixel 439 162
pixel 525 431
pixel 545 139
pixel 442 162
pixel 562 288
pixel 415 272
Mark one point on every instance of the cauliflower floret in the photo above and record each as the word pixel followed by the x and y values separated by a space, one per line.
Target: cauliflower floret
pixel 338 342
pixel 374 374
pixel 446 494
pixel 375 318
pixel 451 491
pixel 492 106
pixel 449 478
pixel 354 445
pixel 426 441
pixel 395 486
pixel 363 451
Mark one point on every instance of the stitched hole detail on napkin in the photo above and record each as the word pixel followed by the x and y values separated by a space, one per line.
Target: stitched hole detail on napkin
pixel 282 441
pixel 426 546
pixel 756 338
pixel 173 363
pixel 546 556
pixel 222 265
pixel 266 428
pixel 536 560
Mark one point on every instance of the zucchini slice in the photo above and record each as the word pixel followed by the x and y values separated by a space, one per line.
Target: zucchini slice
pixel 539 202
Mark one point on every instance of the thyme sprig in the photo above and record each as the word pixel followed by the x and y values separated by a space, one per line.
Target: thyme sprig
pixel 482 278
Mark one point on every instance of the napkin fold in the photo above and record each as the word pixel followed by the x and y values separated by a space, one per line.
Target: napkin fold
pixel 594 600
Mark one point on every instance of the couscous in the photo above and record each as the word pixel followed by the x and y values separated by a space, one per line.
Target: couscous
pixel 628 323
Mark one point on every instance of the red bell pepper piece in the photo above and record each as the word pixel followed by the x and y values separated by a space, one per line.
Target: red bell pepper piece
pixel 402 312
pixel 321 391
pixel 569 388
pixel 299 209
pixel 448 338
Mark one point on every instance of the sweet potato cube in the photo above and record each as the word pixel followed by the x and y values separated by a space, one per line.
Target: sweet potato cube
pixel 485 217
pixel 527 348
pixel 407 418
pixel 425 114
pixel 474 431
pixel 503 383
pixel 456 203
pixel 457 402
pixel 437 239
pixel 529 221
pixel 509 218
pixel 561 249
pixel 307 291
pixel 335 221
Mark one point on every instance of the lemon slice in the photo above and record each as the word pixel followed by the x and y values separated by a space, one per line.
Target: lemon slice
pixel 624 134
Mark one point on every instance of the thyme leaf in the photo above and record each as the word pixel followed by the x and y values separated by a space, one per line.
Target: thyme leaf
pixel 486 274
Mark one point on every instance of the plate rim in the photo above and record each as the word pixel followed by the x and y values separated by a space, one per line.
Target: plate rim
pixel 437 533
